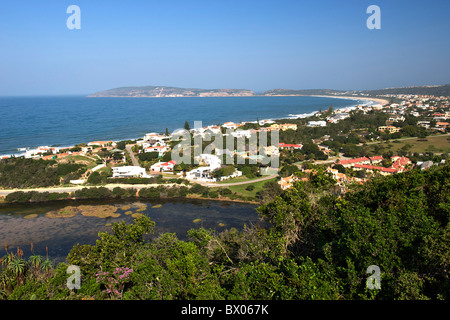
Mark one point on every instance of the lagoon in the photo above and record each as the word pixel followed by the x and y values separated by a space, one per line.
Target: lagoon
pixel 58 226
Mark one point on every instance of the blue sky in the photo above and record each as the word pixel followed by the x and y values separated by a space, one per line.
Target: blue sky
pixel 257 45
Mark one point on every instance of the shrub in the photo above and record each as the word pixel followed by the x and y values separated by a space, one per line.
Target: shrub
pixel 250 187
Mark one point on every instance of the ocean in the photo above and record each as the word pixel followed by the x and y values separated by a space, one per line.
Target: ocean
pixel 61 121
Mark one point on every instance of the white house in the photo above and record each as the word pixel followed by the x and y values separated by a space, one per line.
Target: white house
pixel 155 136
pixel 214 129
pixel 210 160
pixel 319 123
pixel 338 117
pixel 129 171
pixel 163 166
pixel 230 125
pixel 241 133
pixel 160 149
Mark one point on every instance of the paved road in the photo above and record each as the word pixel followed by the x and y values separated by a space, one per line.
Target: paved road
pixel 133 158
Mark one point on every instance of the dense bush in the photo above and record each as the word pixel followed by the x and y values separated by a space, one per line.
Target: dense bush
pixel 29 173
pixel 314 246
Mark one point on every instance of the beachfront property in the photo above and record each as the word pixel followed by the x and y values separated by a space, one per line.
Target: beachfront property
pixel 213 129
pixel 102 144
pixel 338 117
pixel 52 153
pixel 155 136
pixel 231 125
pixel 129 171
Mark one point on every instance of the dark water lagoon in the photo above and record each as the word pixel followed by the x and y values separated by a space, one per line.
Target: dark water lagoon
pixel 60 225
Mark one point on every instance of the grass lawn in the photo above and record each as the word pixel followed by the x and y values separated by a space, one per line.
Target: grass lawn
pixel 240 189
pixel 435 144
pixel 238 179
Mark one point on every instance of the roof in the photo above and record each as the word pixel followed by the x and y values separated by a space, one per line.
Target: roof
pixel 356 160
pixel 383 169
pixel 286 145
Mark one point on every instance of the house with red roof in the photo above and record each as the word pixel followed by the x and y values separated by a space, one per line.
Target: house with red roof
pixel 163 166
pixel 352 162
pixel 286 145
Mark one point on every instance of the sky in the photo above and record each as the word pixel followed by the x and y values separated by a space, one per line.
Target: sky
pixel 256 45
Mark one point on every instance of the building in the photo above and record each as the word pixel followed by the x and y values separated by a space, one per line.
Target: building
pixel 287 182
pixel 284 126
pixel 383 171
pixel 352 162
pixel 271 150
pixel 163 166
pixel 210 160
pixel 231 125
pixel 376 159
pixel 320 123
pixel 129 171
pixel 102 144
pixel 338 117
pixel 389 129
pixel 160 149
pixel 396 118
pixel 290 146
pixel 242 133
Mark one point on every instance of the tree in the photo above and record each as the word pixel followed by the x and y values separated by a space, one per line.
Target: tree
pixel 186 126
pixel 270 191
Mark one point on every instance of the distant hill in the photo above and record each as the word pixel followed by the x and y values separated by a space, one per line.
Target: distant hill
pixel 301 92
pixel 442 90
pixel 162 91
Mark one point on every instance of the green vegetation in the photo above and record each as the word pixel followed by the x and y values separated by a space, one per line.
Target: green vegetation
pixel 29 173
pixel 316 246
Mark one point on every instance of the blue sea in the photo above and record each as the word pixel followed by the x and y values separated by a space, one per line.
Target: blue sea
pixel 60 121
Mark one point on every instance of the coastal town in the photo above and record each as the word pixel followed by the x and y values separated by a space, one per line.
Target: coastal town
pixel 354 160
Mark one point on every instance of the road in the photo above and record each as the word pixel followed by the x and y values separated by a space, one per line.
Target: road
pixel 110 186
pixel 130 152
pixel 212 184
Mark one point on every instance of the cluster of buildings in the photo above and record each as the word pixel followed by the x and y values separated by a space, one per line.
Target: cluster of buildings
pixel 370 165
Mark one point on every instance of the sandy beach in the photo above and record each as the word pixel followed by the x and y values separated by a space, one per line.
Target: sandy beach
pixel 376 100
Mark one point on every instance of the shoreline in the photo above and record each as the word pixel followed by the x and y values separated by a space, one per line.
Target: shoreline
pixel 377 100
